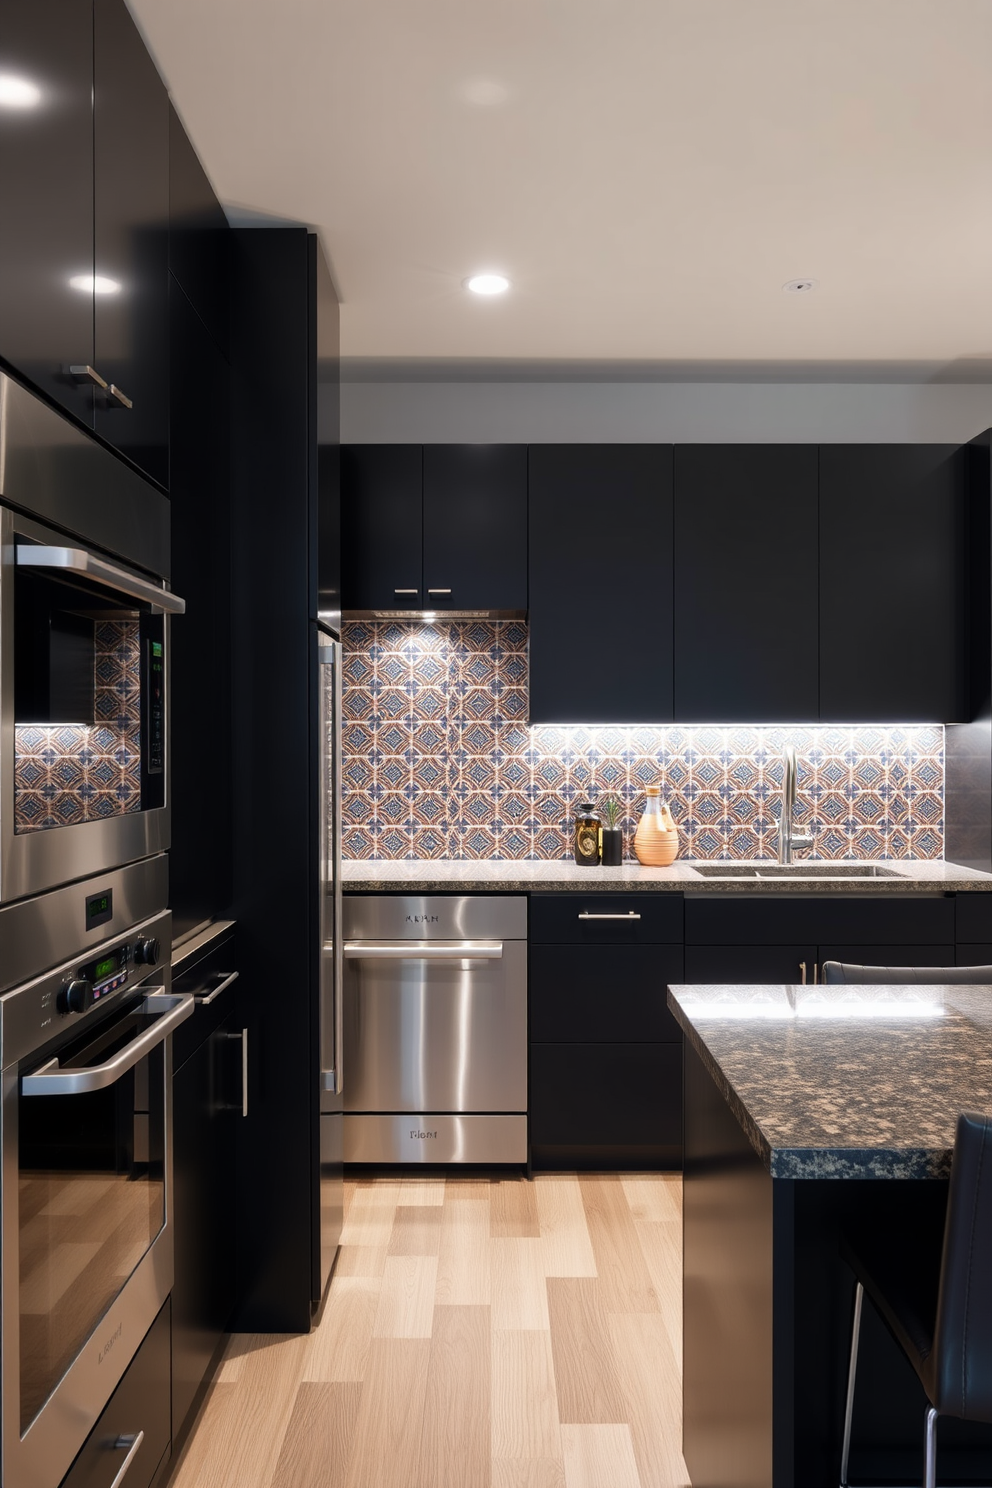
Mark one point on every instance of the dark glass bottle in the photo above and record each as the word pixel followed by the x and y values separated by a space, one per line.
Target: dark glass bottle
pixel 586 840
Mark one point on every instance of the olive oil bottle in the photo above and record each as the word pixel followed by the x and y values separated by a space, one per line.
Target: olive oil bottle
pixel 588 828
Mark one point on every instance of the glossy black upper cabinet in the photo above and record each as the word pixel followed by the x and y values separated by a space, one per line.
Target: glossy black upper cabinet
pixel 382 522
pixel 46 166
pixel 746 583
pixel 600 587
pixel 892 583
pixel 131 241
pixel 435 527
pixel 475 526
pixel 199 237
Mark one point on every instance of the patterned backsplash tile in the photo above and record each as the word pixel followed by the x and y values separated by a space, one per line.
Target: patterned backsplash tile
pixel 70 772
pixel 439 762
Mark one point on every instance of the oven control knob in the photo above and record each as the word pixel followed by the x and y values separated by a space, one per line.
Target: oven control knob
pixel 75 996
pixel 146 952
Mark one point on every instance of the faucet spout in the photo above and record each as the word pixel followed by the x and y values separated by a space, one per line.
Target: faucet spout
pixel 787 836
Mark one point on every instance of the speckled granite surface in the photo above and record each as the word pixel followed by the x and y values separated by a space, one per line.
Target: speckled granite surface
pixel 845 1082
pixel 497 875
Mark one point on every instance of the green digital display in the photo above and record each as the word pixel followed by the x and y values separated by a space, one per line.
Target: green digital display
pixel 104 968
pixel 156 648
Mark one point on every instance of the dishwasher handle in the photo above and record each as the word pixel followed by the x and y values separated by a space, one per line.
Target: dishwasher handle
pixel 423 950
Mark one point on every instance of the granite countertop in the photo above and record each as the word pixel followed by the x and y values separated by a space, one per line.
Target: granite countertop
pixel 845 1081
pixel 910 876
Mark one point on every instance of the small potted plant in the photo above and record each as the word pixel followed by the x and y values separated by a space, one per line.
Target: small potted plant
pixel 610 810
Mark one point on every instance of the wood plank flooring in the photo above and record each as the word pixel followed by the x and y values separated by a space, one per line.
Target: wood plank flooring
pixel 477 1334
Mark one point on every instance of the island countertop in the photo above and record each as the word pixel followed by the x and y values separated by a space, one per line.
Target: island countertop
pixel 844 1081
pixel 499 875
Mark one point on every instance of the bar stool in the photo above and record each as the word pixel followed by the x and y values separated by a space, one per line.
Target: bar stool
pixel 843 971
pixel 934 1294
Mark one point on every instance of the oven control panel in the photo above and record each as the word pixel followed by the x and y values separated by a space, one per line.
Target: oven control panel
pixel 94 980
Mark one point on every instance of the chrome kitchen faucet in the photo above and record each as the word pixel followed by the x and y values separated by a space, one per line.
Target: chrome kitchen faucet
pixel 787 838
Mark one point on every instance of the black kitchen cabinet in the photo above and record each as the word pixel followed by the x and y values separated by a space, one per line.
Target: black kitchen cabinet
pixel 892 583
pixel 605 1052
pixel 601 583
pixel 207 1108
pixel 434 527
pixel 46 165
pixel 199 244
pixel 131 242
pixel 746 583
pixel 475 527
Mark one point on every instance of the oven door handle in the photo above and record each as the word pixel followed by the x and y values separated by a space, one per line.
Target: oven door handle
pixel 412 950
pixel 88 566
pixel 51 1080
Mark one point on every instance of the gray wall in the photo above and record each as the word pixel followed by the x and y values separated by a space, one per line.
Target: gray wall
pixel 566 412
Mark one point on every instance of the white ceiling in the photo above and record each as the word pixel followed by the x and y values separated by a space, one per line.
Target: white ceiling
pixel 649 173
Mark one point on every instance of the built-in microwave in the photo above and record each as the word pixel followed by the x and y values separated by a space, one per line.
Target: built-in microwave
pixel 84 655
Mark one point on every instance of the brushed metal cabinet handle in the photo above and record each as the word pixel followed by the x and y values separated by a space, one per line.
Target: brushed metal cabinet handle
pixel 406 591
pixel 119 396
pixel 244 1072
pixel 439 591
pixel 212 996
pixel 132 1443
pixel 630 915
pixel 802 968
pixel 88 374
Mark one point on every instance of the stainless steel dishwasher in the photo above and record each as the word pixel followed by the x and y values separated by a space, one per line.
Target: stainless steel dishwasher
pixel 435 1008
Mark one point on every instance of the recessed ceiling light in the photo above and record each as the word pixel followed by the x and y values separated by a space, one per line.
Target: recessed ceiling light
pixel 18 92
pixel 800 286
pixel 94 284
pixel 487 284
pixel 483 92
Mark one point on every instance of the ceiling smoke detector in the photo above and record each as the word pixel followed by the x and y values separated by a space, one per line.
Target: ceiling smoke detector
pixel 800 286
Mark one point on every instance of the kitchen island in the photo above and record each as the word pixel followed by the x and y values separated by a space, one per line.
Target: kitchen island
pixel 806 1107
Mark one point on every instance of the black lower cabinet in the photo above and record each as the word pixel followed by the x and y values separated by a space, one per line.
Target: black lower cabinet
pixel 206 1115
pixel 606 1105
pixel 139 1404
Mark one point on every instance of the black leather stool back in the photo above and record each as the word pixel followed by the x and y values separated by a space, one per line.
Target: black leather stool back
pixel 843 971
pixel 960 1366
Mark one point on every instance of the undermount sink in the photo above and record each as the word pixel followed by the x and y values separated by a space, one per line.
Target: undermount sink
pixel 793 870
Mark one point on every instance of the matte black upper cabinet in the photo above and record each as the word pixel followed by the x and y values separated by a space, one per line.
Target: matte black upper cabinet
pixel 600 583
pixel 439 527
pixel 46 165
pixel 199 240
pixel 131 237
pixel 746 583
pixel 892 566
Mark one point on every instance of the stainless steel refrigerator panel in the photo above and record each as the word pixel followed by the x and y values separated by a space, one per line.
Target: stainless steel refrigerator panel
pixel 426 1034
pixel 435 1139
pixel 328 745
pixel 435 917
pixel 331 1192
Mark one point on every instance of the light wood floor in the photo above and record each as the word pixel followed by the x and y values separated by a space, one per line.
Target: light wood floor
pixel 476 1334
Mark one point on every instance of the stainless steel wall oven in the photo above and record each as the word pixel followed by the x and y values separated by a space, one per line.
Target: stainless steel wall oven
pixel 86 1158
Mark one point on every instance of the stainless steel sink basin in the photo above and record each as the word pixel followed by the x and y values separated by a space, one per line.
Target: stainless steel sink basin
pixel 792 870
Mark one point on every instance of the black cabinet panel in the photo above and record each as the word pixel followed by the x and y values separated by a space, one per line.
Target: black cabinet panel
pixel 709 964
pixel 605 919
pixel 816 919
pixel 131 238
pixel 606 1095
pixel 745 582
pixel 475 526
pixel 602 994
pixel 600 590
pixel 974 955
pixel 46 165
pixel 892 583
pixel 382 518
pixel 199 239
pixel 974 917
pixel 140 1403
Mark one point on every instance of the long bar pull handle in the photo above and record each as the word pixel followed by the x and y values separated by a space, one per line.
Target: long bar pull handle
pixel 802 968
pixel 120 397
pixel 51 1080
pixel 244 1072
pixel 816 973
pixel 133 1445
pixel 86 565
pixel 212 996
pixel 406 591
pixel 439 591
pixel 630 915
pixel 411 950
pixel 88 374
